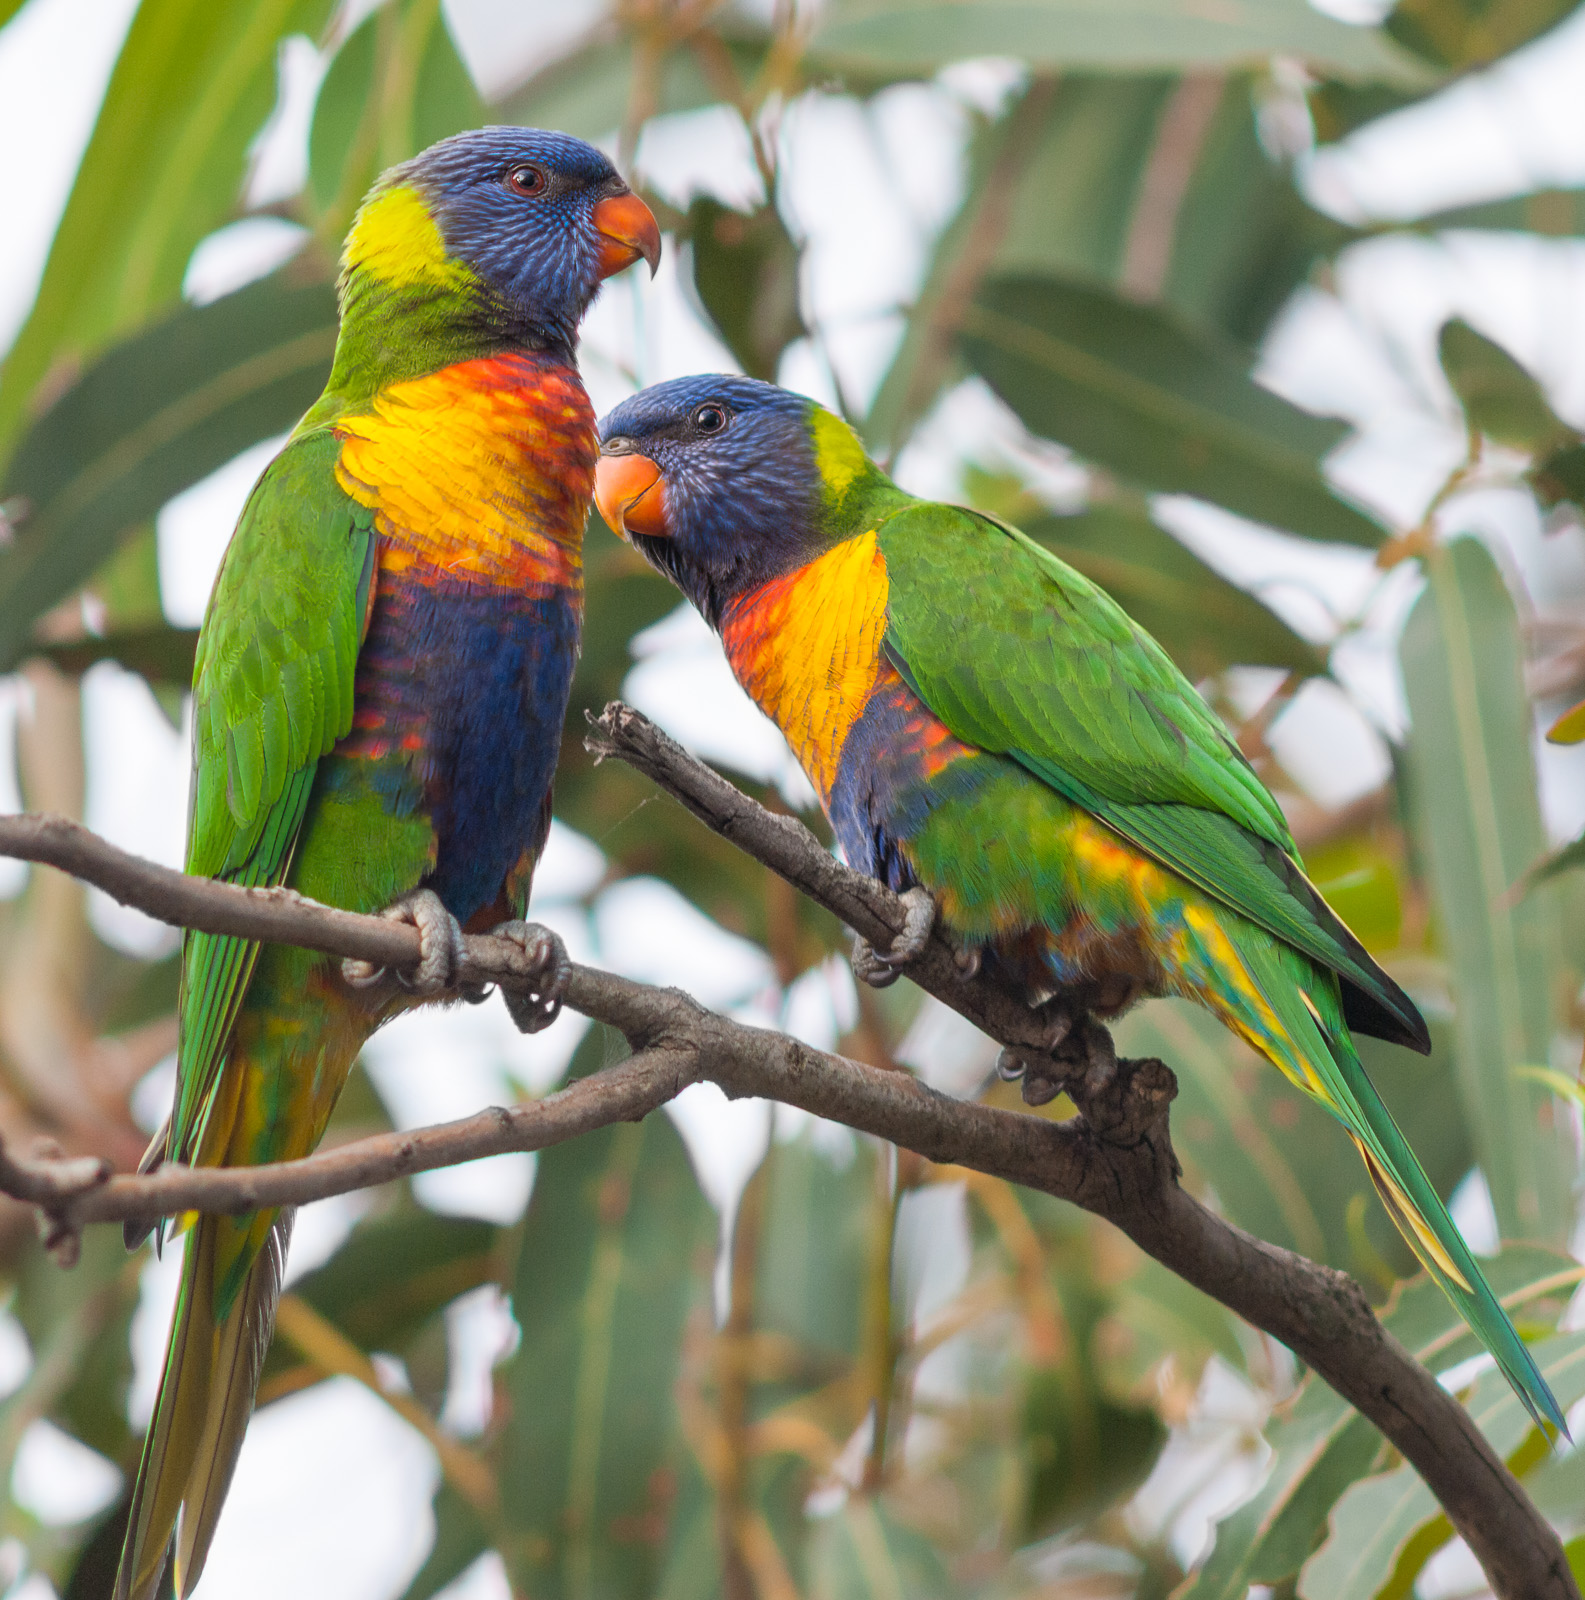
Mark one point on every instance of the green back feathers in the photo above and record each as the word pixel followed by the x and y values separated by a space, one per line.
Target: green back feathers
pixel 272 692
pixel 1021 655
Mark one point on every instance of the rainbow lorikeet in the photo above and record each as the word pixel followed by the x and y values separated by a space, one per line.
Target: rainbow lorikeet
pixel 381 681
pixel 991 735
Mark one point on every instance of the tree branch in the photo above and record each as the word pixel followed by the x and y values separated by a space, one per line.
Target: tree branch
pixel 1115 1159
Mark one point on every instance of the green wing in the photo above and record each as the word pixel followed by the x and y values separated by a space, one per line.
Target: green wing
pixel 1049 670
pixel 272 692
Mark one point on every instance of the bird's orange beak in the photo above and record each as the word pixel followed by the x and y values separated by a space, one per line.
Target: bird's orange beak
pixel 631 495
pixel 629 231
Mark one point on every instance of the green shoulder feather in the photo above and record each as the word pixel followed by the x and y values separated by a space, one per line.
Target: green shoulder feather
pixel 272 693
pixel 1051 671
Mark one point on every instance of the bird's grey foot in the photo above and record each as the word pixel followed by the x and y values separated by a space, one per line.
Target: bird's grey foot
pixel 535 1002
pixel 1044 1070
pixel 882 968
pixel 967 959
pixel 440 946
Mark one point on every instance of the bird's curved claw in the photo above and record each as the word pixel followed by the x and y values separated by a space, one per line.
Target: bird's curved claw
pixel 882 968
pixel 535 1002
pixel 440 945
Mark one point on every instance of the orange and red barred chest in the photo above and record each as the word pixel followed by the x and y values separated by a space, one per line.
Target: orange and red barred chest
pixel 479 478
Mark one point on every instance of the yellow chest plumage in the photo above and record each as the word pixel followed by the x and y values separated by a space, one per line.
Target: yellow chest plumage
pixel 807 647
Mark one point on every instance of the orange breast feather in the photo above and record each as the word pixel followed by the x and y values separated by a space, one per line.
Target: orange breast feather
pixel 807 647
pixel 483 471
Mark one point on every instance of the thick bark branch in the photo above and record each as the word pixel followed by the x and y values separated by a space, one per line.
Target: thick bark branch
pixel 1115 1159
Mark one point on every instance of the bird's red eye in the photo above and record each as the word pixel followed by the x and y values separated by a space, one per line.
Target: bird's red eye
pixel 709 419
pixel 526 180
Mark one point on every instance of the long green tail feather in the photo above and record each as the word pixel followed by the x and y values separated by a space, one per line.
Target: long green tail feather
pixel 1313 1021
pixel 206 1396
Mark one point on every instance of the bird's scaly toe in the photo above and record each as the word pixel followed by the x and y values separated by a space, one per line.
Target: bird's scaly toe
pixel 882 968
pixel 535 1002
pixel 440 945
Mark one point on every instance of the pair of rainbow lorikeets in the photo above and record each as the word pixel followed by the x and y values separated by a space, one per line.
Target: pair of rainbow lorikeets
pixel 384 670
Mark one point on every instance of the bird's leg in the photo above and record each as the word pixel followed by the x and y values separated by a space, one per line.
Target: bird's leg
pixel 882 968
pixel 1044 1069
pixel 535 1002
pixel 439 943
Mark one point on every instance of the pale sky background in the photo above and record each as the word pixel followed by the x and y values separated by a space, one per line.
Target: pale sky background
pixel 332 1496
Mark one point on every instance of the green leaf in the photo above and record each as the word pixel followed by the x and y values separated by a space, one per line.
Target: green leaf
pixel 392 1276
pixel 1384 1529
pixel 1469 33
pixel 162 655
pixel 921 36
pixel 1560 476
pixel 152 416
pixel 396 85
pixel 1500 399
pixel 1136 390
pixel 590 92
pixel 744 274
pixel 1472 789
pixel 460 1540
pixel 1321 1445
pixel 862 1552
pixel 616 1248
pixel 813 1252
pixel 192 86
pixel 1568 858
pixel 1551 213
pixel 1069 183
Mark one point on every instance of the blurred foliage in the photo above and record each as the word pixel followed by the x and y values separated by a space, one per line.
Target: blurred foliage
pixel 810 1419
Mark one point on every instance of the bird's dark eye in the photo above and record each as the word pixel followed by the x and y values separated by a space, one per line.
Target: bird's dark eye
pixel 709 419
pixel 526 180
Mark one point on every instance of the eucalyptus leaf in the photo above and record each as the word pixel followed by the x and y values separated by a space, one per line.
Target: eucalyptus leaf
pixel 1321 1445
pixel 1500 399
pixel 1136 390
pixel 153 415
pixel 1474 801
pixel 192 86
pixel 615 1251
pixel 1384 1529
pixel 920 36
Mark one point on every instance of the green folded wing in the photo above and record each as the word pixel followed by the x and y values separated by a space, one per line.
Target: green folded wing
pixel 272 692
pixel 1044 667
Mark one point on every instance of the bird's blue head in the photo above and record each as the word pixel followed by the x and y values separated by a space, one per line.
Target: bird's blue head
pixel 509 229
pixel 724 483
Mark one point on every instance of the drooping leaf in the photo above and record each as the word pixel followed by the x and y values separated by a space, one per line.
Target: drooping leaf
pixel 590 91
pixel 460 1539
pixel 1461 34
pixel 1558 476
pixel 152 416
pixel 1136 390
pixel 1321 1445
pixel 902 36
pixel 1551 213
pixel 863 1552
pixel 192 86
pixel 1384 1529
pixel 1473 795
pixel 615 1249
pixel 161 654
pixel 1068 183
pixel 392 1276
pixel 744 276
pixel 396 85
pixel 1500 399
